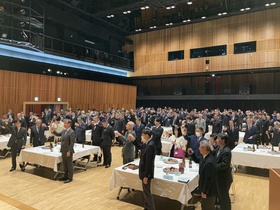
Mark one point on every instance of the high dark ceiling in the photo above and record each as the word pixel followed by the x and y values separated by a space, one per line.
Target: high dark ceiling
pixel 132 15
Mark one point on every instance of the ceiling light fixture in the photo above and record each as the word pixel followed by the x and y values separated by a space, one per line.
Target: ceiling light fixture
pixel 189 2
pixel 242 10
pixel 203 17
pixel 273 3
pixel 267 5
pixel 248 8
pixel 147 7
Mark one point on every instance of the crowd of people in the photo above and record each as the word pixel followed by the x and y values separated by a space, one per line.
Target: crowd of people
pixel 126 127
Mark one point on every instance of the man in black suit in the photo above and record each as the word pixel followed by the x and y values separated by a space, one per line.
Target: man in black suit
pixel 138 128
pixel 216 123
pixel 80 131
pixel 67 150
pixel 224 171
pixel 146 166
pixel 16 142
pixel 251 133
pixel 107 139
pixel 23 123
pixel 262 126
pixel 190 126
pixel 157 131
pixel 233 134
pixel 207 177
pixel 96 135
pixel 275 141
pixel 37 135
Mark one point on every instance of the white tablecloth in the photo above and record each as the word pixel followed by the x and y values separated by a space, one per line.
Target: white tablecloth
pixel 259 159
pixel 44 157
pixel 165 188
pixel 3 142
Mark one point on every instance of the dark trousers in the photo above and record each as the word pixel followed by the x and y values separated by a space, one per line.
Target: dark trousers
pixel 264 139
pixel 208 203
pixel 36 144
pixel 107 155
pixel 223 196
pixel 15 149
pixel 149 202
pixel 158 151
pixel 68 166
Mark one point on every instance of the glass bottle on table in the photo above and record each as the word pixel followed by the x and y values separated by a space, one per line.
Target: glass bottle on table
pixel 182 165
pixel 190 162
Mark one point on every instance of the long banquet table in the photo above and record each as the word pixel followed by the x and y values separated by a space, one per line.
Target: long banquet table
pixel 5 150
pixel 261 158
pixel 160 186
pixel 51 159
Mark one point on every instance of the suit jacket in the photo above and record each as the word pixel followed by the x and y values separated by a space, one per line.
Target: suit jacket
pixel 262 126
pixel 147 159
pixel 138 131
pixel 80 132
pixel 217 126
pixel 200 123
pixel 233 136
pixel 121 125
pixel 175 120
pixel 108 136
pixel 207 175
pixel 253 132
pixel 96 134
pixel 157 132
pixel 276 137
pixel 194 145
pixel 190 128
pixel 128 146
pixel 17 137
pixel 223 160
pixel 67 141
pixel 35 137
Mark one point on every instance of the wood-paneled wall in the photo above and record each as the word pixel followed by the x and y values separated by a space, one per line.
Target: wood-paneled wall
pixel 15 88
pixel 151 48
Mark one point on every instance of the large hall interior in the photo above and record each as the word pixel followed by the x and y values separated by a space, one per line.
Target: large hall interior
pixel 182 76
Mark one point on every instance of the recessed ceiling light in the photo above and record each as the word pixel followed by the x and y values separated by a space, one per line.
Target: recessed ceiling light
pixel 167 24
pixel 168 7
pixel 147 7
pixel 172 7
pixel 155 26
pixel 124 13
pixel 140 29
pixel 136 30
pixel 184 21
pixel 108 16
pixel 171 24
pixel 189 20
pixel 248 8
pixel 203 17
pixel 220 14
pixel 112 16
pixel 190 2
pixel 151 27
pixel 267 5
pixel 224 13
pixel 128 11
pixel 242 10
pixel 273 3
pixel 143 8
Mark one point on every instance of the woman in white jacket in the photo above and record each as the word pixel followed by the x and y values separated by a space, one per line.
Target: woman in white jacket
pixel 176 139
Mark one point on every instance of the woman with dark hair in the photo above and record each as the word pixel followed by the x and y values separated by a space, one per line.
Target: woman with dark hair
pixel 178 142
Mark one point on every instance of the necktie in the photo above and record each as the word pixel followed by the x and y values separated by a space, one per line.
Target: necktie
pixel 37 129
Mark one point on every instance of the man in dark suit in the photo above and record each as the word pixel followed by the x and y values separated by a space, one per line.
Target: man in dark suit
pixel 251 133
pixel 23 123
pixel 146 166
pixel 193 143
pixel 207 177
pixel 80 131
pixel 16 142
pixel 138 128
pixel 216 123
pixel 224 172
pixel 157 131
pixel 233 134
pixel 107 139
pixel 176 118
pixel 190 126
pixel 275 141
pixel 96 135
pixel 37 135
pixel 262 126
pixel 67 150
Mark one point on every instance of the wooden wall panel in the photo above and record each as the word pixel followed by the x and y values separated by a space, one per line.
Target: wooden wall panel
pixel 16 88
pixel 151 48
